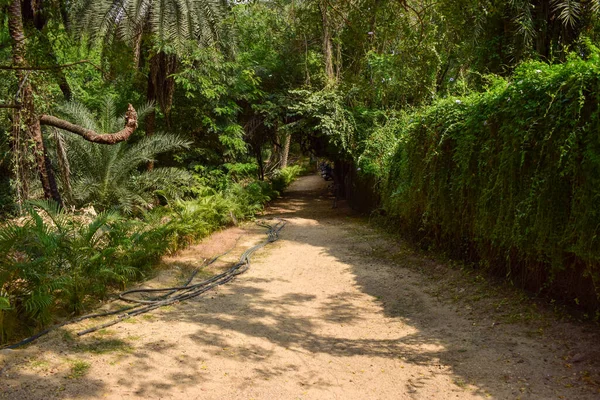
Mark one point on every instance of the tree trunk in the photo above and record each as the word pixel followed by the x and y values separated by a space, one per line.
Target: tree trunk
pixel 259 160
pixel 58 73
pixel 64 166
pixel 27 112
pixel 286 150
pixel 150 120
pixel 307 81
pixel 338 60
pixel 131 125
pixel 327 47
pixel 22 166
pixel 33 15
pixel 542 24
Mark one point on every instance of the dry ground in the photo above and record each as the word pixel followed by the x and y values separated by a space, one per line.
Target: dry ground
pixel 334 310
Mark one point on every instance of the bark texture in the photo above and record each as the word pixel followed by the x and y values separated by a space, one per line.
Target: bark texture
pixel 131 124
pixel 327 46
pixel 26 114
pixel 286 150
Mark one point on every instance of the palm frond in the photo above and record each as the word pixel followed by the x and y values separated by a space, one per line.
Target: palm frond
pixel 174 22
pixel 144 109
pixel 146 150
pixel 92 232
pixel 53 210
pixel 79 114
pixel 568 11
pixel 524 20
pixel 108 118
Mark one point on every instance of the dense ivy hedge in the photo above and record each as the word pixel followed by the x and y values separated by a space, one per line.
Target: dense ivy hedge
pixel 509 177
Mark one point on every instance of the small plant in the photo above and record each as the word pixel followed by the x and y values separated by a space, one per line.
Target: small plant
pixel 79 369
pixel 282 178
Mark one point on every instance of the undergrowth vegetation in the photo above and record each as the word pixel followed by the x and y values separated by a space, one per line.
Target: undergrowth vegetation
pixel 55 264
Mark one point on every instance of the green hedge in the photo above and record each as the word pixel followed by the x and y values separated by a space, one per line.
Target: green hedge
pixel 509 177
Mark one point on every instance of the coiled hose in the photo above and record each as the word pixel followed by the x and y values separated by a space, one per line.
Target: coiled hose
pixel 173 294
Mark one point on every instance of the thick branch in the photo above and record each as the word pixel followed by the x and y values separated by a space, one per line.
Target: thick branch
pixel 44 68
pixel 49 67
pixel 91 136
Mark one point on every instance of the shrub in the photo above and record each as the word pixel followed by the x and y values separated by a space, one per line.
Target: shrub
pixel 110 176
pixel 56 263
pixel 282 178
pixel 509 177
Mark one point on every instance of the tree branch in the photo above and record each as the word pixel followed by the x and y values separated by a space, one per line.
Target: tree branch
pixel 91 136
pixel 339 13
pixel 49 67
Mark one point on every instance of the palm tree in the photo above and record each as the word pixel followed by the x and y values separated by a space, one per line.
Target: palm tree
pixel 108 176
pixel 25 115
pixel 170 24
pixel 538 22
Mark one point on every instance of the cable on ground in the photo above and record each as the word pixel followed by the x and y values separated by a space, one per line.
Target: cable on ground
pixel 173 294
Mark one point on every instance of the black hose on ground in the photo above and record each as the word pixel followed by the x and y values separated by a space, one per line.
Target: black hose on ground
pixel 174 294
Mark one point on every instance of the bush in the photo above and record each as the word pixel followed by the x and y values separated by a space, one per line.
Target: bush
pixel 56 263
pixel 282 178
pixel 509 177
pixel 52 261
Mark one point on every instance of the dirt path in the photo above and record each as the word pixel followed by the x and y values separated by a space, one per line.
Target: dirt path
pixel 334 310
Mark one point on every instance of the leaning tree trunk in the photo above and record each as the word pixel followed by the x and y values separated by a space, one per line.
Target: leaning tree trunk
pixel 26 114
pixel 131 124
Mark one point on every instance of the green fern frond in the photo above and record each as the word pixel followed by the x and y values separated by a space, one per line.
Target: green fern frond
pixel 91 233
pixel 53 210
pixel 38 303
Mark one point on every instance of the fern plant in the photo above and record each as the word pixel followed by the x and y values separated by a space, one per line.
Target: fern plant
pixel 110 176
pixel 52 259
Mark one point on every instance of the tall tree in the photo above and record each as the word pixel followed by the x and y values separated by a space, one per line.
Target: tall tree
pixel 156 30
pixel 26 114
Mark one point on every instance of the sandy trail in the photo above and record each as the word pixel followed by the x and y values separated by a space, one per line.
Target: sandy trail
pixel 334 310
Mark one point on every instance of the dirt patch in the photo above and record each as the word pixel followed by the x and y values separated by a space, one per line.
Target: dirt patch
pixel 334 310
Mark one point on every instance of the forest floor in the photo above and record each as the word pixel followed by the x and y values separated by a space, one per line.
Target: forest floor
pixel 336 309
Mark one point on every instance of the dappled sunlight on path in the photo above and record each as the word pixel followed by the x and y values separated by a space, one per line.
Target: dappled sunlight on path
pixel 321 314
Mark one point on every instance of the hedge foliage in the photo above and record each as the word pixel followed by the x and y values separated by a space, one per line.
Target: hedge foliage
pixel 509 177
